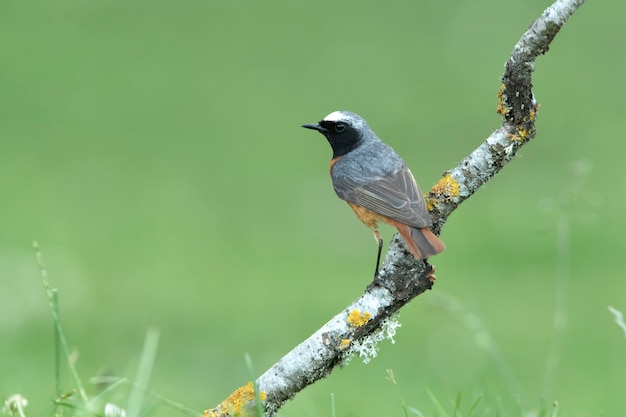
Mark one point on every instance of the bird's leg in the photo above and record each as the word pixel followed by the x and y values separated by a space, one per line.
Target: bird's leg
pixel 430 272
pixel 379 239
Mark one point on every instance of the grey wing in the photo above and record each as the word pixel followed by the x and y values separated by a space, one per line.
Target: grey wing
pixel 394 195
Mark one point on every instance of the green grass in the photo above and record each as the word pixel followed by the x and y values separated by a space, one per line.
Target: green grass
pixel 139 401
pixel 107 391
pixel 154 150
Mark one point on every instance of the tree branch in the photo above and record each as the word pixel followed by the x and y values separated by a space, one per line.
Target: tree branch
pixel 360 326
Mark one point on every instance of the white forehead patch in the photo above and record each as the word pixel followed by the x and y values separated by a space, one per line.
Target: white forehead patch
pixel 336 116
pixel 350 118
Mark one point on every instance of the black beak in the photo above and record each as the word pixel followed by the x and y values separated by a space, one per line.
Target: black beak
pixel 315 126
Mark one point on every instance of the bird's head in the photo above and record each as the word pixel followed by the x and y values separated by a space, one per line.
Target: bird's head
pixel 344 130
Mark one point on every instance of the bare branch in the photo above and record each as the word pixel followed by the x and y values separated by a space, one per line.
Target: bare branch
pixel 357 329
pixel 516 103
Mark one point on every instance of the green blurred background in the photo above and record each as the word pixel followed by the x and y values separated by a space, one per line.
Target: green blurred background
pixel 154 150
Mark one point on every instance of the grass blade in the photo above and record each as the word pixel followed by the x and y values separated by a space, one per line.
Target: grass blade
pixel 144 370
pixel 473 407
pixel 260 408
pixel 60 336
pixel 392 378
pixel 457 405
pixel 438 407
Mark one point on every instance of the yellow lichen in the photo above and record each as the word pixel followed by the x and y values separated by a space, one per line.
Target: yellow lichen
pixel 430 203
pixel 357 319
pixel 521 134
pixel 447 187
pixel 344 344
pixel 531 115
pixel 236 403
pixel 502 107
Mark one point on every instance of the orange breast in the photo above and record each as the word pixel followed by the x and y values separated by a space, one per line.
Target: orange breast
pixel 368 217
pixel 333 162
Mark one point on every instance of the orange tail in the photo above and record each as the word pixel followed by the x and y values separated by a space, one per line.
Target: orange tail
pixel 421 242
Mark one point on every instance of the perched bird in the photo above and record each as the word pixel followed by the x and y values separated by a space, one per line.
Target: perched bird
pixel 370 176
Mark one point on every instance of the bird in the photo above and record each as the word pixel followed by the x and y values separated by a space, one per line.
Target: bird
pixel 376 183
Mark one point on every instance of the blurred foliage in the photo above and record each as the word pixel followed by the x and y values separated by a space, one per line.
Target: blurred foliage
pixel 154 150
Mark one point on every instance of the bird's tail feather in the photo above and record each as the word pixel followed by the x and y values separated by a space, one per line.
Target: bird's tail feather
pixel 428 244
pixel 422 243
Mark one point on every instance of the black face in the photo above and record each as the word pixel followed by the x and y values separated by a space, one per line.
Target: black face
pixel 341 135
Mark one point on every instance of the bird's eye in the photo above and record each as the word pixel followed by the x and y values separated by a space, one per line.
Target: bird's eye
pixel 339 127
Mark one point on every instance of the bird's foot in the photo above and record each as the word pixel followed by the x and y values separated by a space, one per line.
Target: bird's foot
pixel 430 274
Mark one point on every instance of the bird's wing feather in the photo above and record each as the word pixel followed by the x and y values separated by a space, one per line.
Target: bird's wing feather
pixel 395 195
